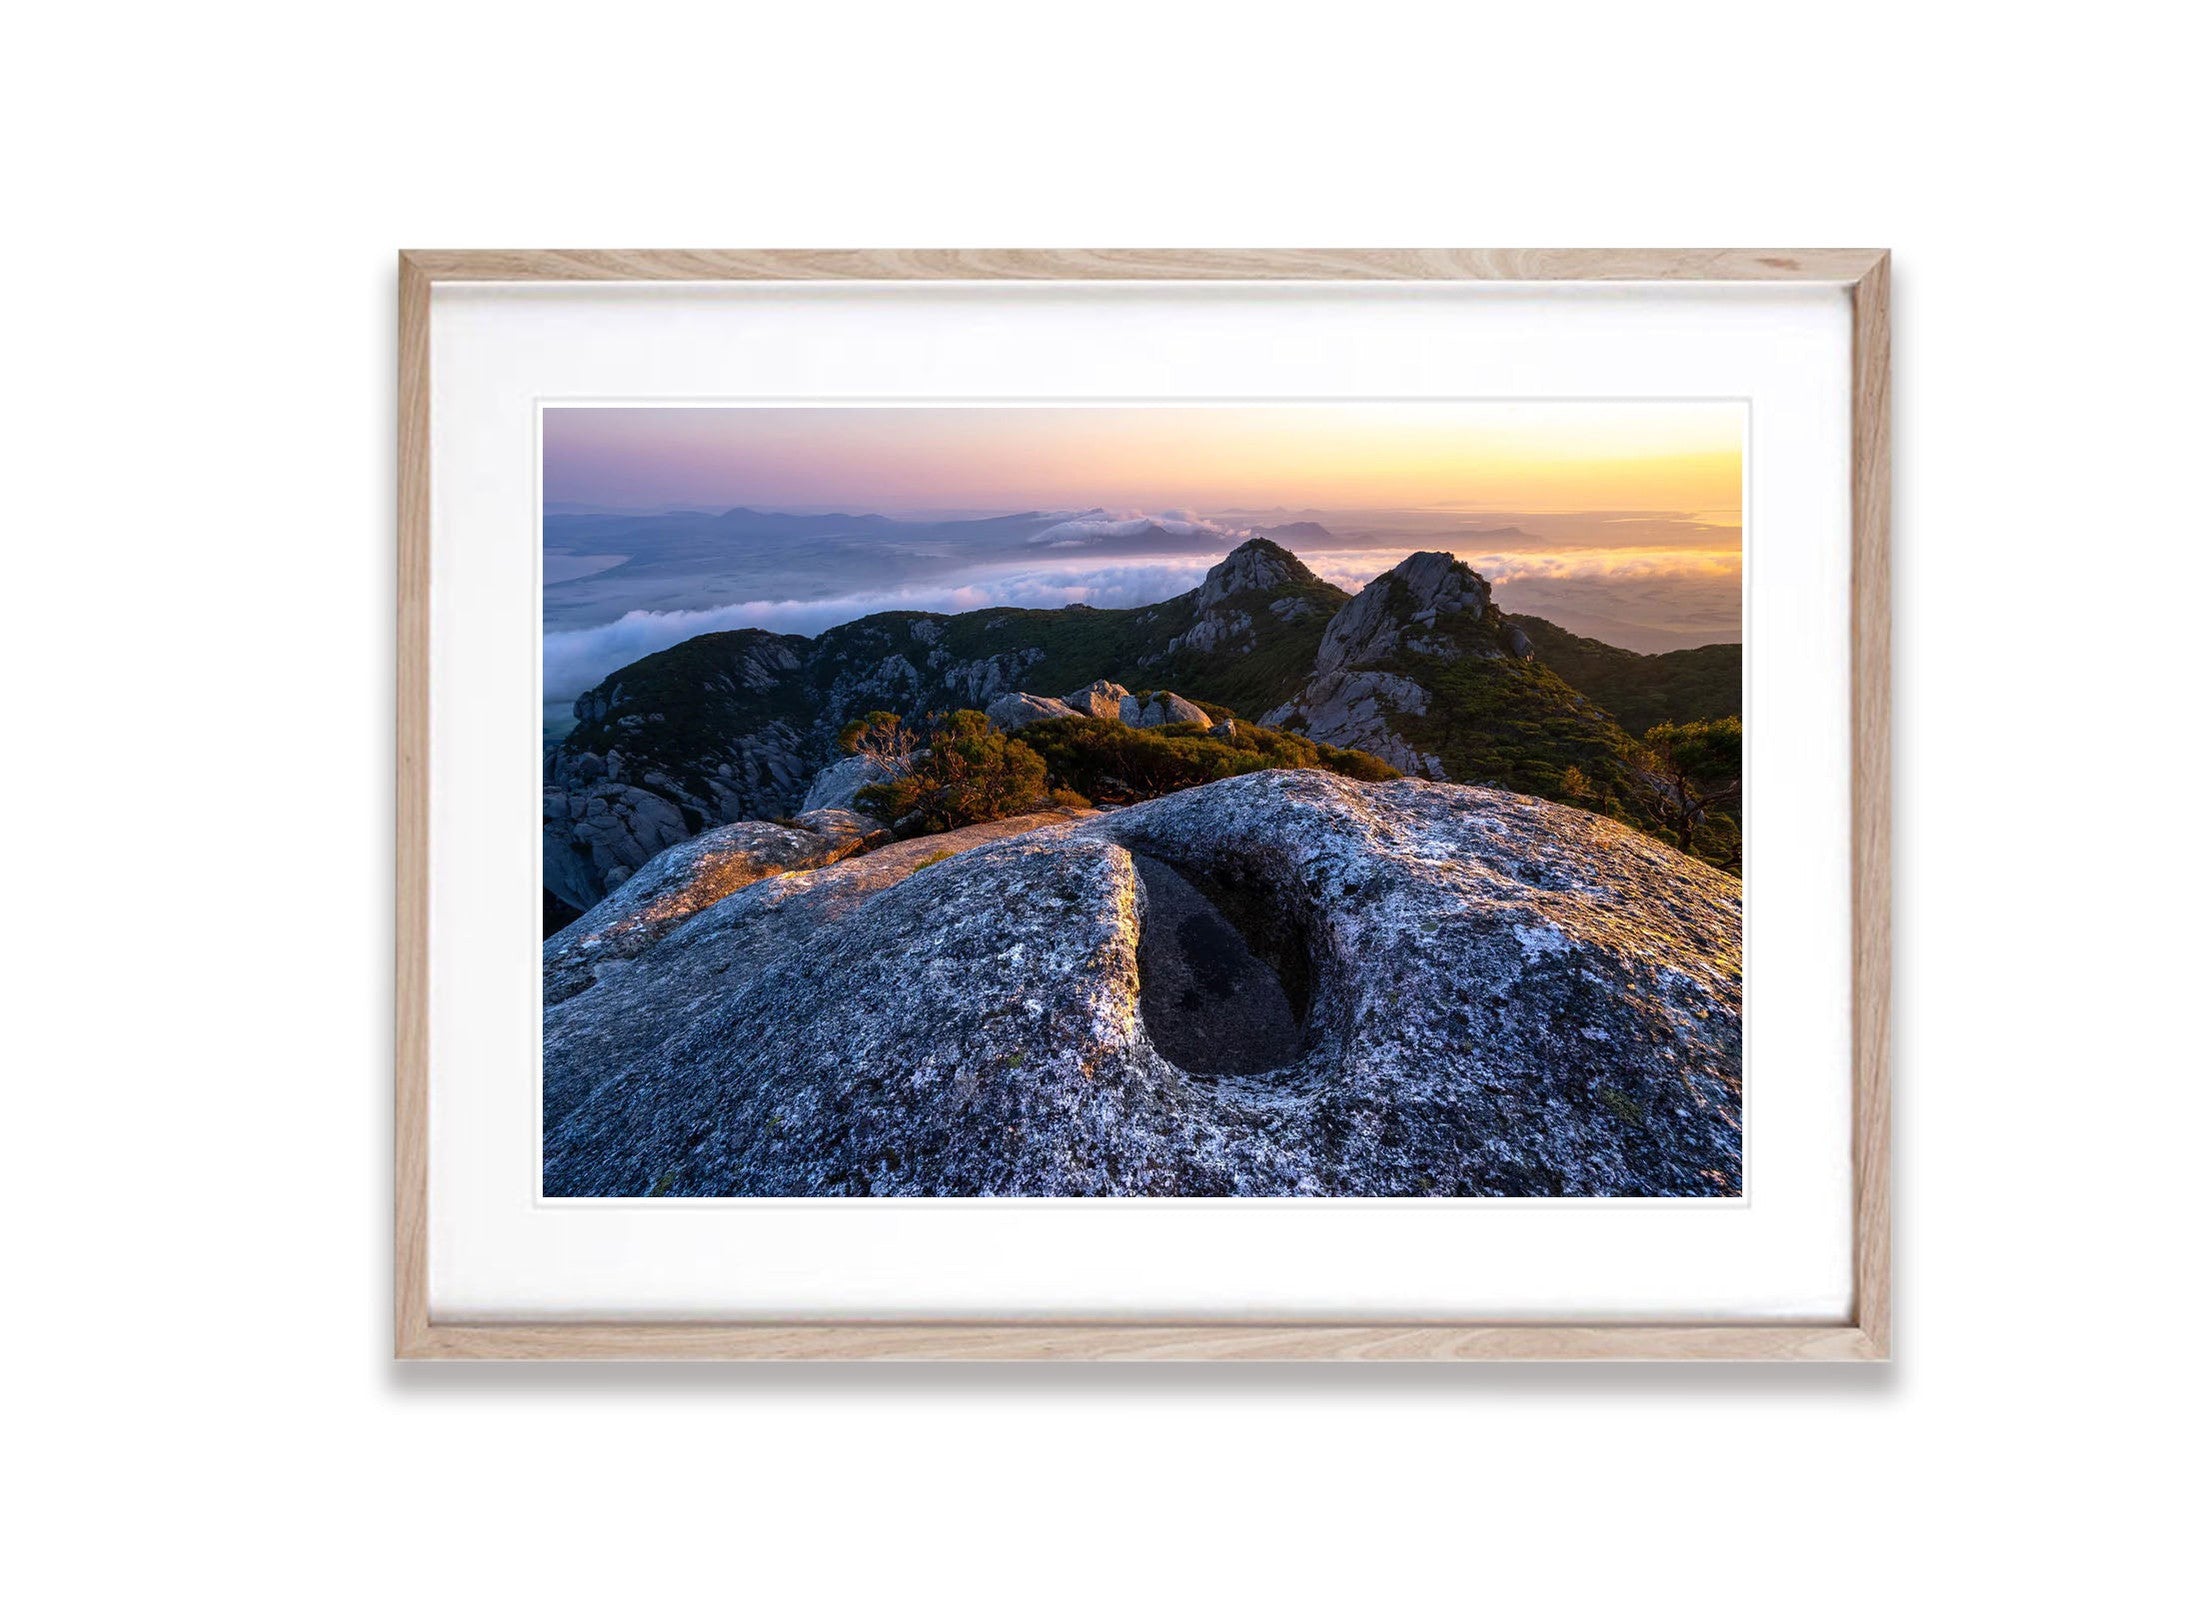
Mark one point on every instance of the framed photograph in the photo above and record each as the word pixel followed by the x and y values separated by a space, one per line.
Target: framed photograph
pixel 1275 804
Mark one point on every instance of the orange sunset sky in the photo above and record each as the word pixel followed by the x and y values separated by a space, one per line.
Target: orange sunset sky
pixel 1664 457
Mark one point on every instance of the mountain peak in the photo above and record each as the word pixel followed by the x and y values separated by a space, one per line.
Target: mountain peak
pixel 1438 580
pixel 1254 564
pixel 1400 608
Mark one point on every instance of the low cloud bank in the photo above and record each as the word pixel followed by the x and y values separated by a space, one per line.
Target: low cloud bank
pixel 1649 599
pixel 576 661
pixel 1099 526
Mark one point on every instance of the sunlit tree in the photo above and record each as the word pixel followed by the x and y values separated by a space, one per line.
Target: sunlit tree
pixel 884 738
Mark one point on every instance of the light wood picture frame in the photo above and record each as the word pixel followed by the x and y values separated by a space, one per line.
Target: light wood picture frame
pixel 1863 1335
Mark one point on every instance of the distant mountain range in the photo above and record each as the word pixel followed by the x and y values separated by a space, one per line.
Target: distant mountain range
pixel 601 564
pixel 1420 668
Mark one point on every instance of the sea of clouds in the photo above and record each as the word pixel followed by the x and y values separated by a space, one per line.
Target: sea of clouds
pixel 1648 599
pixel 576 661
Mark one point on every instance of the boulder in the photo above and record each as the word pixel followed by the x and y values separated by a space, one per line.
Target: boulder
pixel 836 786
pixel 1167 709
pixel 1011 711
pixel 1099 699
pixel 852 828
pixel 1489 995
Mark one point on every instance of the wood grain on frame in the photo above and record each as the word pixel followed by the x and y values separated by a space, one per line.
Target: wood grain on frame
pixel 1865 1337
pixel 1047 1340
pixel 1174 266
pixel 1870 631
pixel 413 860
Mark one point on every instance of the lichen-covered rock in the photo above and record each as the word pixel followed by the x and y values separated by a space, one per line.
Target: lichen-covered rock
pixel 1501 997
pixel 609 1016
pixel 844 827
pixel 678 882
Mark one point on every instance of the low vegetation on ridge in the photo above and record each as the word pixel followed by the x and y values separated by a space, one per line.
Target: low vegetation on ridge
pixel 967 771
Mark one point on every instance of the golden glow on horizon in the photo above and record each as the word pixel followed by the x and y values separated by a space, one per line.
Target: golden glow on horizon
pixel 1667 457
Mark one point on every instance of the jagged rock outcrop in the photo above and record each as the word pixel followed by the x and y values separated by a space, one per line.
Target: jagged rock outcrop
pixel 1423 670
pixel 723 730
pixel 1500 996
pixel 1240 594
pixel 596 834
pixel 1398 610
pixel 1231 629
pixel 1255 565
pixel 1345 702
pixel 1352 710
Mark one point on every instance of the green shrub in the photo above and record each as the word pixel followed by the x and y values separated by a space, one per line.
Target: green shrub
pixel 1110 761
pixel 970 773
pixel 1357 763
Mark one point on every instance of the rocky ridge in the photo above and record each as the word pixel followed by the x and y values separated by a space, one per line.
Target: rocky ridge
pixel 1423 669
pixel 1420 669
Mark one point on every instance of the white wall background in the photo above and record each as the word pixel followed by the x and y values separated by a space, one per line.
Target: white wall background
pixel 198 425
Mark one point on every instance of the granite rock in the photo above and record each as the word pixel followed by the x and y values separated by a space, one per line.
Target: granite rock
pixel 1500 996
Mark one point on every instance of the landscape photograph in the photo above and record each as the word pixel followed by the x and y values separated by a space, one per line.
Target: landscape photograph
pixel 1173 801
